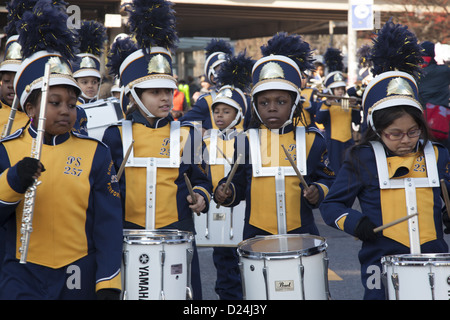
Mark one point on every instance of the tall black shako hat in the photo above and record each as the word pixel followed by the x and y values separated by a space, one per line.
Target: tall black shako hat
pixel 121 48
pixel 45 38
pixel 334 61
pixel 396 59
pixel 153 25
pixel 92 36
pixel 234 79
pixel 284 59
pixel 217 51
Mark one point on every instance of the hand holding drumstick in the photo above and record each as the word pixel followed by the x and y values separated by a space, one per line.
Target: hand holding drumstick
pixel 311 193
pixel 197 201
pixel 223 191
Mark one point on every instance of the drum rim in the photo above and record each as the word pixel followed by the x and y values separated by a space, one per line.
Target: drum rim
pixel 294 254
pixel 140 236
pixel 417 259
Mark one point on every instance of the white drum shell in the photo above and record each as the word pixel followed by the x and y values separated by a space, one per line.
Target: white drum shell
pixel 299 274
pixel 101 114
pixel 215 229
pixel 413 272
pixel 144 276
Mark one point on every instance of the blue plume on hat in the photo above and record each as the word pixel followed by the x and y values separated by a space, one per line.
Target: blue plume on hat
pixel 218 45
pixel 333 59
pixel 363 54
pixel 396 49
pixel 237 72
pixel 16 9
pixel 45 28
pixel 120 50
pixel 92 35
pixel 153 23
pixel 291 46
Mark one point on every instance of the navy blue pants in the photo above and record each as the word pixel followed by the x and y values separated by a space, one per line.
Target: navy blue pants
pixel 35 282
pixel 228 283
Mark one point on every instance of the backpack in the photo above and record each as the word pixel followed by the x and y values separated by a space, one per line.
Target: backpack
pixel 438 118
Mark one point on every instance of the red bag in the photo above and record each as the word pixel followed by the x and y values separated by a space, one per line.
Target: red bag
pixel 438 118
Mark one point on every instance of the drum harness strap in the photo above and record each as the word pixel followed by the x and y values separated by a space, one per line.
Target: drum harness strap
pixel 279 173
pixel 152 164
pixel 213 160
pixel 410 185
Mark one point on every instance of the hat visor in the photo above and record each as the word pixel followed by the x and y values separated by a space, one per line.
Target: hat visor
pixel 275 84
pixel 162 81
pixel 87 73
pixel 55 80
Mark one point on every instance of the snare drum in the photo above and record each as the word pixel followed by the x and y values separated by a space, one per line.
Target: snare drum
pixel 284 267
pixel 222 227
pixel 417 276
pixel 156 264
pixel 101 114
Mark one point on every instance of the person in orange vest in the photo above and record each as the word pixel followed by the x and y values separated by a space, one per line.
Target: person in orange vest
pixel 179 104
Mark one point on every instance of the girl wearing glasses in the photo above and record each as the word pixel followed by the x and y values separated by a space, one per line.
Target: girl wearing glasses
pixel 394 150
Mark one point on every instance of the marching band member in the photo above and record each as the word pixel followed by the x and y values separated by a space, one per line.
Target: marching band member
pixel 76 244
pixel 276 100
pixel 86 67
pixel 216 53
pixel 336 119
pixel 8 69
pixel 384 170
pixel 234 79
pixel 147 75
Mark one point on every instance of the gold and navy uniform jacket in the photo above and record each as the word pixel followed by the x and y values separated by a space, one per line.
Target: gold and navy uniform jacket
pixel 337 123
pixel 77 209
pixel 358 178
pixel 171 189
pixel 20 119
pixel 259 192
pixel 80 125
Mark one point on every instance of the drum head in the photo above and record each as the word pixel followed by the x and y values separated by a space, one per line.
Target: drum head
pixel 281 246
pixel 139 236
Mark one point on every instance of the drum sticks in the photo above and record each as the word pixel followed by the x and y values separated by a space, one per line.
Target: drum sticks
pixel 392 223
pixel 230 176
pixel 125 159
pixel 291 161
pixel 189 186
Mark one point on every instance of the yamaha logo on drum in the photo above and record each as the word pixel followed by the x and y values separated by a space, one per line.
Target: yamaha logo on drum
pixel 144 258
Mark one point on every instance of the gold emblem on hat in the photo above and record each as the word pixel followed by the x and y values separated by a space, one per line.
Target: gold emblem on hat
pixel 227 93
pixel 159 64
pixel 399 86
pixel 58 66
pixel 87 62
pixel 338 77
pixel 14 52
pixel 271 70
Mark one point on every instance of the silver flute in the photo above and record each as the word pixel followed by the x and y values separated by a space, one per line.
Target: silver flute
pixel 30 194
pixel 8 126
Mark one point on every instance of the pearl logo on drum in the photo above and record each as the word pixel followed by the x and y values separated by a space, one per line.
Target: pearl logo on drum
pixel 144 258
pixel 284 285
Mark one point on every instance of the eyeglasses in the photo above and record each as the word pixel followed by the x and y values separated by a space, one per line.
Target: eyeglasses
pixel 399 135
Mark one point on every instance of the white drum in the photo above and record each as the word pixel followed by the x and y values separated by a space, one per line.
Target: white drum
pixel 417 276
pixel 157 264
pixel 222 227
pixel 284 267
pixel 101 114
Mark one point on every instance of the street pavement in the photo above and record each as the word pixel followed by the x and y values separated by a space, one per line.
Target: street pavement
pixel 342 250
